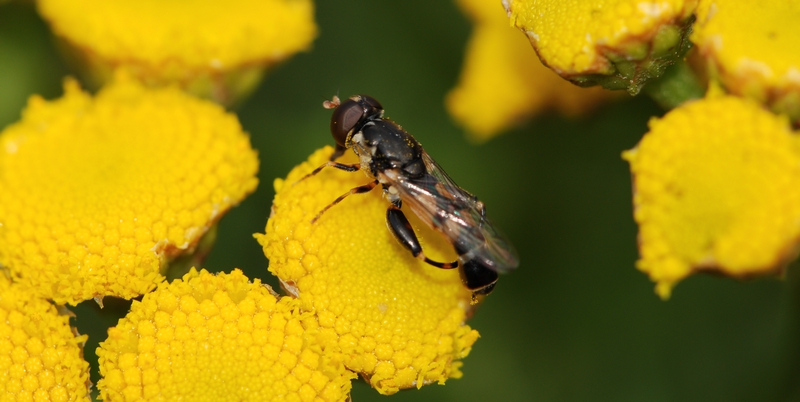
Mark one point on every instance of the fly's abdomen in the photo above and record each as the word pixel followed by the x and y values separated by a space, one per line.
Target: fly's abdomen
pixel 477 277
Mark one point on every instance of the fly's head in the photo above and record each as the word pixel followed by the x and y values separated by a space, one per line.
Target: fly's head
pixel 351 115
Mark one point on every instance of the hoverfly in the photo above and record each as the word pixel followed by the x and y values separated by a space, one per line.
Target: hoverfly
pixel 392 158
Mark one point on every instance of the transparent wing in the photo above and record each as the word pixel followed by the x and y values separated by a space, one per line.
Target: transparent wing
pixel 447 208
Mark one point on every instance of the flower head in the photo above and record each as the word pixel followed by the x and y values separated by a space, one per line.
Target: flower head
pixel 619 44
pixel 219 337
pixel 717 187
pixel 99 193
pixel 41 359
pixel 750 49
pixel 217 49
pixel 397 320
pixel 502 80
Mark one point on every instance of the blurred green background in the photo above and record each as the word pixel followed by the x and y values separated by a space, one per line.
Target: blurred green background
pixel 576 321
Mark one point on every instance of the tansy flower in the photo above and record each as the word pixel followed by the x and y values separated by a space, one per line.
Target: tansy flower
pixel 41 359
pixel 750 49
pixel 503 81
pixel 217 338
pixel 99 193
pixel 216 49
pixel 397 320
pixel 619 44
pixel 717 187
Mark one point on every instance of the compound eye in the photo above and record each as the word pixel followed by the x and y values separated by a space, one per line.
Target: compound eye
pixel 372 105
pixel 344 119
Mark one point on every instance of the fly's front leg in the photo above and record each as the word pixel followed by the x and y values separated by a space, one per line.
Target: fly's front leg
pixel 356 190
pixel 401 229
pixel 354 167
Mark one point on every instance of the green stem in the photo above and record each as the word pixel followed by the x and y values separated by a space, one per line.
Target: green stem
pixel 181 265
pixel 677 85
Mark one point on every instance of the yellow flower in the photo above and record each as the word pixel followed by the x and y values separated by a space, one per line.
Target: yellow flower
pixel 717 187
pixel 503 82
pixel 216 49
pixel 397 320
pixel 98 193
pixel 751 49
pixel 216 338
pixel 620 44
pixel 41 359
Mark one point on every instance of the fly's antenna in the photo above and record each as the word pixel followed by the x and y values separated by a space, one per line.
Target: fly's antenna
pixel 333 103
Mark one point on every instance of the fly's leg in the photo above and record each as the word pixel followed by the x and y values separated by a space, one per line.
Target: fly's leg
pixel 337 152
pixel 341 166
pixel 401 229
pixel 356 190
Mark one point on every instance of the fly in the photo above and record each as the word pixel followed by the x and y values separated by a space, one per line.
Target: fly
pixel 393 159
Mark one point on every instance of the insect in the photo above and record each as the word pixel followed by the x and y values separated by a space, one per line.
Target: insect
pixel 393 159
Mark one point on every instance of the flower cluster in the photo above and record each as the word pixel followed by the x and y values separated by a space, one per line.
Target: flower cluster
pixel 41 358
pixel 216 50
pixel 398 320
pixel 99 193
pixel 102 193
pixel 721 193
pixel 715 179
pixel 620 44
pixel 218 337
pixel 503 82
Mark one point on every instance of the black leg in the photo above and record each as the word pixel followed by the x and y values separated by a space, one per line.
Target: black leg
pixel 356 190
pixel 404 233
pixel 341 166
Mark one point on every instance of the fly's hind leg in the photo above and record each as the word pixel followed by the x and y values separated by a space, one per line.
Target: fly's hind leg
pixel 401 229
pixel 356 190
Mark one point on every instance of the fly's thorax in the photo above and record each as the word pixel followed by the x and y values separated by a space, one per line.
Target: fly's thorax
pixel 393 148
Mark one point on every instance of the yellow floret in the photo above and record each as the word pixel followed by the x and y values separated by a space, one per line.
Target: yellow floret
pixel 98 193
pixel 214 48
pixel 717 187
pixel 503 81
pixel 398 320
pixel 751 49
pixel 41 359
pixel 585 40
pixel 219 338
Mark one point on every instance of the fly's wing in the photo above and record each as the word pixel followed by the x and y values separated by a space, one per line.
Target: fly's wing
pixel 447 208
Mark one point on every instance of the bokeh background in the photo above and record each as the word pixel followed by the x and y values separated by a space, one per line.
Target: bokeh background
pixel 576 321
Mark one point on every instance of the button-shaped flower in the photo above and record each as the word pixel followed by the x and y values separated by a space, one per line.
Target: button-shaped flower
pixel 216 49
pixel 502 81
pixel 619 44
pixel 41 359
pixel 219 337
pixel 397 320
pixel 717 187
pixel 750 48
pixel 99 193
